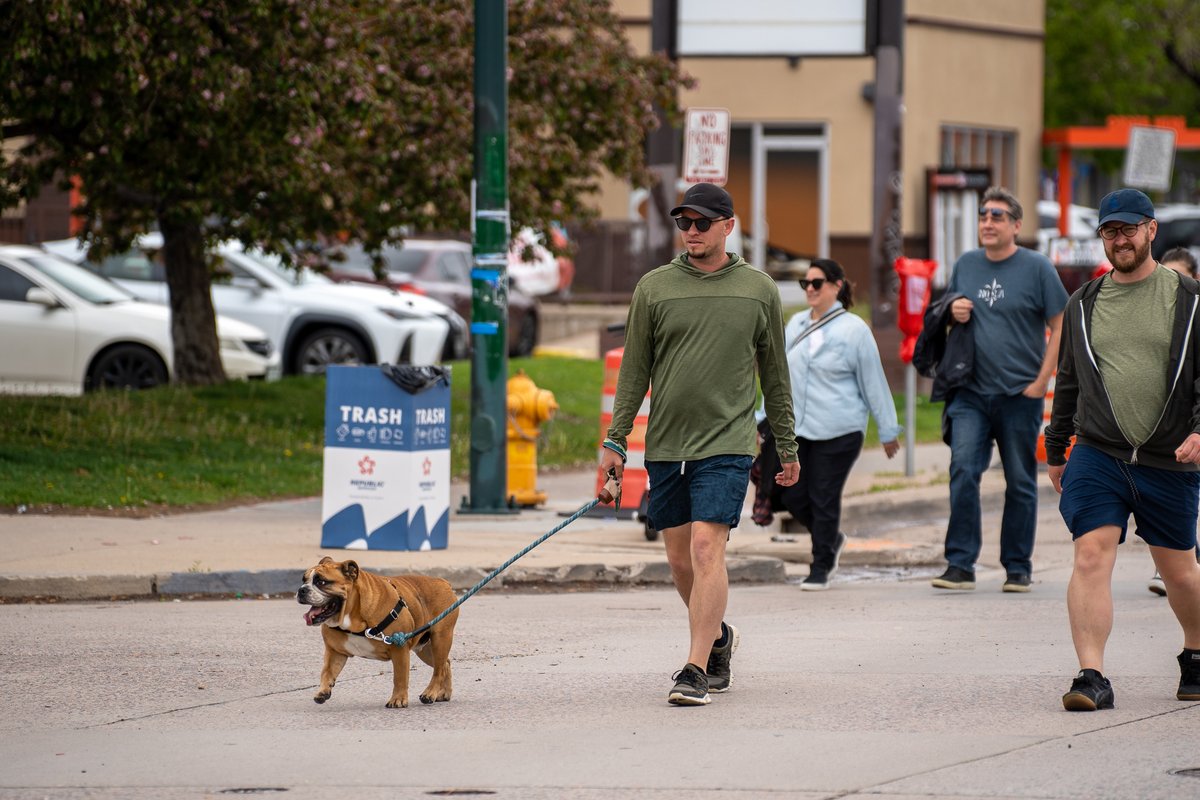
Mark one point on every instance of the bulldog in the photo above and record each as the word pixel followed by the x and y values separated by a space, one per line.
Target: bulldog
pixel 353 606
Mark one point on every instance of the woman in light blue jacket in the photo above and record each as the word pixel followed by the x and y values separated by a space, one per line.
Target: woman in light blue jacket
pixel 837 378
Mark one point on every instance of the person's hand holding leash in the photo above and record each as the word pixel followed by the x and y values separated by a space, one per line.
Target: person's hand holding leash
pixel 611 460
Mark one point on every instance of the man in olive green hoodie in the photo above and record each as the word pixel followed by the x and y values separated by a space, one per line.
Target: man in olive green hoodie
pixel 697 329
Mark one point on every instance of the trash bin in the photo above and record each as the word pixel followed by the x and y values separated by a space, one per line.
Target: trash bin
pixel 387 458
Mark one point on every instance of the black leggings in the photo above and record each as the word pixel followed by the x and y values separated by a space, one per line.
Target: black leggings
pixel 816 499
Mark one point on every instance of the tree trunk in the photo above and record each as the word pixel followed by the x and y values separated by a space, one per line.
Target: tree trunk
pixel 193 321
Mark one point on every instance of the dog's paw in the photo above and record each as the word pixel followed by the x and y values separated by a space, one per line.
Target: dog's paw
pixel 427 699
pixel 321 697
pixel 397 703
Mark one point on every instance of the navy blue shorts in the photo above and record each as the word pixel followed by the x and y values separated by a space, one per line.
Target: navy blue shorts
pixel 1099 490
pixel 712 489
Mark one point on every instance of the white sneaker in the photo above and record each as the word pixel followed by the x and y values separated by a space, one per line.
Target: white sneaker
pixel 1157 586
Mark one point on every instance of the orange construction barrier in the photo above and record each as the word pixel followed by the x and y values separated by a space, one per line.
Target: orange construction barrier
pixel 1047 407
pixel 635 480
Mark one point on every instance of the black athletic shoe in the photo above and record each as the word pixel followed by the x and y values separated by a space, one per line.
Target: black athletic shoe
pixel 1189 675
pixel 1089 691
pixel 1016 582
pixel 954 578
pixel 720 676
pixel 691 687
pixel 817 580
pixel 839 544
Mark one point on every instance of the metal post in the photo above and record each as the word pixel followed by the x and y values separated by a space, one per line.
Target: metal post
pixel 661 147
pixel 886 237
pixel 910 420
pixel 490 230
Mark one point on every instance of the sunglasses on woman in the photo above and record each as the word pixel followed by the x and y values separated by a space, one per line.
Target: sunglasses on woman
pixel 815 283
pixel 702 225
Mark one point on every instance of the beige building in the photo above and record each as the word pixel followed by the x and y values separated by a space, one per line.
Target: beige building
pixel 801 160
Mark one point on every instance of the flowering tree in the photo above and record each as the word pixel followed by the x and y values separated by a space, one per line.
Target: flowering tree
pixel 278 121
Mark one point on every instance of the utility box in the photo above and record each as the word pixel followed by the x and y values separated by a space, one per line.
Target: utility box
pixel 387 458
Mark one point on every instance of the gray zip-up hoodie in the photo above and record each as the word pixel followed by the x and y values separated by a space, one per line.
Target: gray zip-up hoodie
pixel 1082 407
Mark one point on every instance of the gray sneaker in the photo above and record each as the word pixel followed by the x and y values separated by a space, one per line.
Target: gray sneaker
pixel 720 677
pixel 691 687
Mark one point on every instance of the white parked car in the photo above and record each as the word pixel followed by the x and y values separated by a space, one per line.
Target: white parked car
pixel 64 330
pixel 1082 222
pixel 311 320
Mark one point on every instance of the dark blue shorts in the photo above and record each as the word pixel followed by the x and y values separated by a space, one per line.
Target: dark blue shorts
pixel 712 489
pixel 1099 490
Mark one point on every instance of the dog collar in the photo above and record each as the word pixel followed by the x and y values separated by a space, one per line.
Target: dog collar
pixel 377 631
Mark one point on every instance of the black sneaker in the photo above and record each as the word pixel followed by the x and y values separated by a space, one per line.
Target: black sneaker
pixel 691 687
pixel 1016 582
pixel 839 544
pixel 1089 691
pixel 720 677
pixel 817 580
pixel 954 578
pixel 1189 675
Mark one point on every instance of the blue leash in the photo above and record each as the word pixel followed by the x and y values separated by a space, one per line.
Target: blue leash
pixel 401 638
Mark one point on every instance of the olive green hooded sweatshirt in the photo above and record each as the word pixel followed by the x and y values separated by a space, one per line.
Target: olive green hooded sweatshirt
pixel 697 338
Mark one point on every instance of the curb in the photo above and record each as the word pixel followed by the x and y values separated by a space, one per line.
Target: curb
pixel 277 582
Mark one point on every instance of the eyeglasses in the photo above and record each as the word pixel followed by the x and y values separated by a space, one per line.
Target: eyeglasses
pixel 702 225
pixel 1128 231
pixel 997 214
pixel 815 283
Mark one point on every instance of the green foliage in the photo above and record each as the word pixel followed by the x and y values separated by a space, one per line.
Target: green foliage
pixel 279 121
pixel 1126 57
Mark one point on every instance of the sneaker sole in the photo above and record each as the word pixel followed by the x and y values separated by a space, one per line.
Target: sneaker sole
pixel 679 699
pixel 813 587
pixel 737 638
pixel 1181 695
pixel 963 586
pixel 1158 590
pixel 1014 587
pixel 1077 701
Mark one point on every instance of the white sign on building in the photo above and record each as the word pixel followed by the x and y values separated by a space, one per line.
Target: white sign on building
pixel 1150 158
pixel 706 146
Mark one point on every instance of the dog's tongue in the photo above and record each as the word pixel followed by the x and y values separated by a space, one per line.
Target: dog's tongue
pixel 311 614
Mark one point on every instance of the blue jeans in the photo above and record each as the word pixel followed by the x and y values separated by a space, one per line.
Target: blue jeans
pixel 1012 423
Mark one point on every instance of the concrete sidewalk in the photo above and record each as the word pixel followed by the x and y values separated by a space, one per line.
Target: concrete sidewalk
pixel 895 523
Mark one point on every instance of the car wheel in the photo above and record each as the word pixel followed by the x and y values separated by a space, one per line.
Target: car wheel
pixel 328 346
pixel 126 366
pixel 527 340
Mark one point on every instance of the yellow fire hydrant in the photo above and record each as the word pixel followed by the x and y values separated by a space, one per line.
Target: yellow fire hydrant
pixel 528 407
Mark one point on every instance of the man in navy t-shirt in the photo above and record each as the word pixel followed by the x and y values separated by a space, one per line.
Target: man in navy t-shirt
pixel 1012 296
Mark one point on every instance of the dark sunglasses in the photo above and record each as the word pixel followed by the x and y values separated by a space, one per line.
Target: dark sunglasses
pixel 997 214
pixel 702 225
pixel 815 283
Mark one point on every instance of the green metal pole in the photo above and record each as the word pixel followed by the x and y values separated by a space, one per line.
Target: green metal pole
pixel 489 278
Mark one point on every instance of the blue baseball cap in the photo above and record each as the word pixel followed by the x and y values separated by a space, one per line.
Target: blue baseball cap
pixel 1125 205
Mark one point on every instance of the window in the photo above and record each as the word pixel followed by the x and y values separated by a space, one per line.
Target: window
pixel 979 147
pixel 14 286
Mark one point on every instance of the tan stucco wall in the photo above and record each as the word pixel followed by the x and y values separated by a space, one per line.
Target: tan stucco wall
pixel 954 74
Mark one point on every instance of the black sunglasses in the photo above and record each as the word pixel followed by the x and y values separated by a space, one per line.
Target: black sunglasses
pixel 815 283
pixel 702 225
pixel 997 214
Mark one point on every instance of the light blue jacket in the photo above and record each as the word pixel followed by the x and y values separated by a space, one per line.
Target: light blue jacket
pixel 837 377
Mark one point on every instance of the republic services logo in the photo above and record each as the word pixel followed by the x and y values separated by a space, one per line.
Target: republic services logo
pixel 366 466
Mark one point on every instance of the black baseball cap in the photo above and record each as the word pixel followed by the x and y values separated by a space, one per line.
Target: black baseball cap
pixel 707 199
pixel 1125 205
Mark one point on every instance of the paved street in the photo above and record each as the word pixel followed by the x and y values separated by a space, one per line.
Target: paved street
pixel 878 689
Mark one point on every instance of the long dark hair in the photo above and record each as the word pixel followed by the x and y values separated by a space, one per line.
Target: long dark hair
pixel 834 272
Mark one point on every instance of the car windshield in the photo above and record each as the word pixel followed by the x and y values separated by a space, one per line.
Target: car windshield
pixel 294 277
pixel 396 259
pixel 88 285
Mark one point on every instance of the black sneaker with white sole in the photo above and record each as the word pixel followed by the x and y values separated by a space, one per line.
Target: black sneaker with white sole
pixel 720 675
pixel 691 687
pixel 1090 691
pixel 1017 582
pixel 954 578
pixel 1189 675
